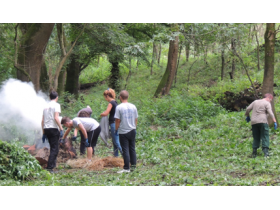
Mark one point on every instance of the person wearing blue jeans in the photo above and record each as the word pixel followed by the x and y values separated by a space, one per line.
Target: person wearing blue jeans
pixel 109 96
pixel 116 141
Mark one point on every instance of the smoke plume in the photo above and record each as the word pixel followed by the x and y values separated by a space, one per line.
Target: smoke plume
pixel 21 110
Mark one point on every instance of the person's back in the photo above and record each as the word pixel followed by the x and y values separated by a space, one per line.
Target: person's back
pixel 126 121
pixel 49 114
pixel 112 111
pixel 260 110
pixel 50 127
pixel 89 124
pixel 260 129
pixel 87 110
pixel 127 113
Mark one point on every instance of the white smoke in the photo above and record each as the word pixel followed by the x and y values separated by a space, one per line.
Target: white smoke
pixel 21 111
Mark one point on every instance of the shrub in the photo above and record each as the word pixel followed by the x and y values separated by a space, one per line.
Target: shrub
pixel 16 163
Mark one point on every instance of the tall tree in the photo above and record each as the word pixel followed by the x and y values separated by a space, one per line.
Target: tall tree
pixel 268 79
pixel 32 46
pixel 167 79
pixel 223 64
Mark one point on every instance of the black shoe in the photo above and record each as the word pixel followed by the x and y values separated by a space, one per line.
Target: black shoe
pixel 254 153
pixel 265 151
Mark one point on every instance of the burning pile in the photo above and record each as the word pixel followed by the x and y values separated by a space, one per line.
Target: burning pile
pixel 66 152
pixel 96 163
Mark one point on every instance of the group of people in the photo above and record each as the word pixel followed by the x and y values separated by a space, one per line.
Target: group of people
pixel 122 122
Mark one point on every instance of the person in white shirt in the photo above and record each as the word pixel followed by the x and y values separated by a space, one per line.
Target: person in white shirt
pixel 126 117
pixel 89 127
pixel 52 128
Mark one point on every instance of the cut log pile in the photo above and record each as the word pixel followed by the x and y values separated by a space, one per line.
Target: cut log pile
pixel 66 152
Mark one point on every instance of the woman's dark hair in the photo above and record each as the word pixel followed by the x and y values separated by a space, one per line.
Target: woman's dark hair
pixel 53 95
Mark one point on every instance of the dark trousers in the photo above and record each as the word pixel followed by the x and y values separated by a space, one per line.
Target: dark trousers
pixel 260 133
pixel 128 147
pixel 83 144
pixel 92 139
pixel 53 137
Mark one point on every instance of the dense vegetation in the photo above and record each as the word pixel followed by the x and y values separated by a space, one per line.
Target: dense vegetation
pixel 184 137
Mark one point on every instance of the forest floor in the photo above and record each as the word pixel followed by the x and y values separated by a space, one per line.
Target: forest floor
pixel 182 139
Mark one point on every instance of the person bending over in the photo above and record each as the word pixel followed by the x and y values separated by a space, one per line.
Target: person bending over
pixel 86 112
pixel 89 127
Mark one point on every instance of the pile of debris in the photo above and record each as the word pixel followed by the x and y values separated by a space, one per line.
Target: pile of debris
pixel 96 164
pixel 66 152
pixel 239 101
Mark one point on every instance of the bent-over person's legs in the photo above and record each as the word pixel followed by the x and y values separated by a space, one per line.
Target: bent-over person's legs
pixel 82 145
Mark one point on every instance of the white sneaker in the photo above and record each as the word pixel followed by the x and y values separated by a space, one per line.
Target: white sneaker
pixel 123 171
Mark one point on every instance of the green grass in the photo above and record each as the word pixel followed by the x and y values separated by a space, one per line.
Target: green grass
pixel 181 138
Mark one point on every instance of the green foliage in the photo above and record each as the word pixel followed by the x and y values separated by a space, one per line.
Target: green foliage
pixel 95 72
pixel 18 164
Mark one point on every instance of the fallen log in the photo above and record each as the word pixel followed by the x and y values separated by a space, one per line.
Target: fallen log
pixel 88 85
pixel 32 150
pixel 43 155
pixel 26 147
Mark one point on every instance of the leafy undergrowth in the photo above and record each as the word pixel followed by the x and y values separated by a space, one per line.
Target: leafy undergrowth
pixel 18 164
pixel 181 140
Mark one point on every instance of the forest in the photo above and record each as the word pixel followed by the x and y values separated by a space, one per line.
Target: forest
pixel 191 84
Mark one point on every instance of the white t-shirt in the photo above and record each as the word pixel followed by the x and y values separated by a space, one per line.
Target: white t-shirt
pixel 89 124
pixel 48 113
pixel 127 113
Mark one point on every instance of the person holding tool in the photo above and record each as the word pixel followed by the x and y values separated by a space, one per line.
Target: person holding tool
pixel 126 116
pixel 90 129
pixel 259 122
pixel 109 96
pixel 52 128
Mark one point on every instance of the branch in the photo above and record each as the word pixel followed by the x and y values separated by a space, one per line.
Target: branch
pixel 190 73
pixel 60 34
pixel 256 94
pixel 62 61
pixel 24 72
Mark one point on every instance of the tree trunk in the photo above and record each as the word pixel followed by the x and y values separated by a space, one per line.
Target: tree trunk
pixel 44 78
pixel 268 79
pixel 178 62
pixel 258 50
pixel 205 55
pixel 153 57
pixel 187 52
pixel 233 60
pixel 137 64
pixel 159 53
pixel 114 78
pixel 33 42
pixel 72 79
pixel 63 58
pixel 223 65
pixel 167 79
pixel 129 73
pixel 61 82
